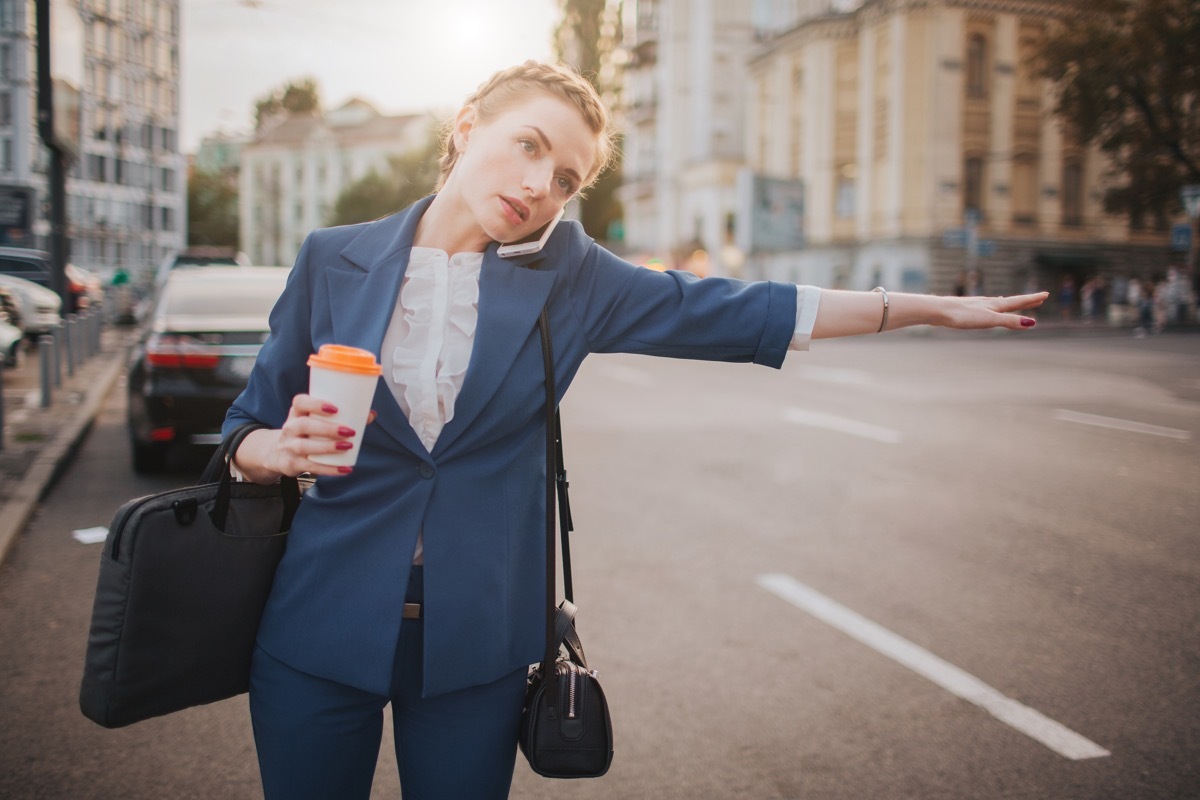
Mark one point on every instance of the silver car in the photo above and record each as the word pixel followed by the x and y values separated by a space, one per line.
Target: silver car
pixel 41 309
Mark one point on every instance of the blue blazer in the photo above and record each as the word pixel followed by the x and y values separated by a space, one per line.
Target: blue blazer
pixel 479 497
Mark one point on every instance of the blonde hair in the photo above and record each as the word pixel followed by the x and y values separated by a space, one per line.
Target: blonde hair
pixel 517 83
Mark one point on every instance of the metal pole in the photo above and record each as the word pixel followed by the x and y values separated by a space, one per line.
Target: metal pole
pixel 46 352
pixel 56 341
pixel 69 341
pixel 56 175
pixel 2 404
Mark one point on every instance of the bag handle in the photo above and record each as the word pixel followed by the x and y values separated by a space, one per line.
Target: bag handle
pixel 217 471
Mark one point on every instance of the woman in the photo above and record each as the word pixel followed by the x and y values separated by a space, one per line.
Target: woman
pixel 442 507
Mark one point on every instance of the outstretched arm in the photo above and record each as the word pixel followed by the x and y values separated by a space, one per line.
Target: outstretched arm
pixel 843 313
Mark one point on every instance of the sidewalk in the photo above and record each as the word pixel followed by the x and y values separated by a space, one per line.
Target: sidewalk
pixel 39 442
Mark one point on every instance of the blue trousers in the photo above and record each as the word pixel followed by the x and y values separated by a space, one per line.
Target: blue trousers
pixel 320 739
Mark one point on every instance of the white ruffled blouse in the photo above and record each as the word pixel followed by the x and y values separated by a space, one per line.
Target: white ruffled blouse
pixel 430 338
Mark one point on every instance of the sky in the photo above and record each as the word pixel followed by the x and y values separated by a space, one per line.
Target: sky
pixel 400 55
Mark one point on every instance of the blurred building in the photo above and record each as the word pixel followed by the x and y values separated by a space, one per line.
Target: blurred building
pixel 684 111
pixel 296 166
pixel 911 141
pixel 116 67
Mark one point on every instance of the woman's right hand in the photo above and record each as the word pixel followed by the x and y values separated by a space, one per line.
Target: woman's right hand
pixel 267 454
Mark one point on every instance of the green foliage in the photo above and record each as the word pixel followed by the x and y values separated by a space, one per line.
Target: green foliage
pixel 588 36
pixel 1128 73
pixel 409 178
pixel 296 97
pixel 212 217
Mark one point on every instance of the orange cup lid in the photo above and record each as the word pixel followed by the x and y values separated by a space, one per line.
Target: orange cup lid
pixel 345 359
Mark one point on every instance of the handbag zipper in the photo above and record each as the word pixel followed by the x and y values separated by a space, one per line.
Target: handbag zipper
pixel 574 673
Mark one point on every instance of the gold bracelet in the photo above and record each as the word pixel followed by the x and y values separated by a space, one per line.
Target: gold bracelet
pixel 883 322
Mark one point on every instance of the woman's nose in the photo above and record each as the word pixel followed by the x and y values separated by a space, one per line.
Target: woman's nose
pixel 537 181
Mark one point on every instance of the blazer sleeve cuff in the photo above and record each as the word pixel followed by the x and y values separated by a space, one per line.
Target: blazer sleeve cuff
pixel 780 325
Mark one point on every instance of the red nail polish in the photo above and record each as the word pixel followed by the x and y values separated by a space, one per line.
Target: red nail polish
pixel 345 470
pixel 344 431
pixel 329 408
pixel 344 445
pixel 1027 322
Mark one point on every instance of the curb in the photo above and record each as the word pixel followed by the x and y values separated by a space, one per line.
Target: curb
pixel 53 459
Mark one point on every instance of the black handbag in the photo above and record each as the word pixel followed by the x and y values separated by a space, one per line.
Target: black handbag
pixel 566 730
pixel 184 577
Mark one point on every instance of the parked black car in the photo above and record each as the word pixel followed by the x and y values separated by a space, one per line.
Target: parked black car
pixel 194 354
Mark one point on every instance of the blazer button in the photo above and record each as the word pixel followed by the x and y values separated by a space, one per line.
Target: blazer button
pixel 427 471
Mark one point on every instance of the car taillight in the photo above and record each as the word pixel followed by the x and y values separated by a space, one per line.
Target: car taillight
pixel 164 351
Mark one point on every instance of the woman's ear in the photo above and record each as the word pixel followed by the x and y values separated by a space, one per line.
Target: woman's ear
pixel 464 123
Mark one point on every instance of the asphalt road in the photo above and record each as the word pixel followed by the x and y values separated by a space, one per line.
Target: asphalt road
pixel 1013 518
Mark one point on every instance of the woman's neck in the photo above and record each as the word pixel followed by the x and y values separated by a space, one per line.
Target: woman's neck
pixel 447 224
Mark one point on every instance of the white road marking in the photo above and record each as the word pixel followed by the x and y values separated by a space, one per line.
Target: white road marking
pixel 630 375
pixel 848 377
pixel 853 427
pixel 1120 424
pixel 1028 721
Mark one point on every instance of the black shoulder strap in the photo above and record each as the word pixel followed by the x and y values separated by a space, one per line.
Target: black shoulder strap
pixel 556 483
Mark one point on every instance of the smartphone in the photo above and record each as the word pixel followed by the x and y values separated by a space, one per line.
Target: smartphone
pixel 525 248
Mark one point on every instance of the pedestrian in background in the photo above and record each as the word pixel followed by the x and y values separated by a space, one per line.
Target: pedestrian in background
pixel 444 507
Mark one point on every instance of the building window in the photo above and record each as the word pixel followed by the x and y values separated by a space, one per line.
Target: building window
pixel 1024 190
pixel 977 66
pixel 1072 193
pixel 168 218
pixel 844 201
pixel 973 184
pixel 168 180
pixel 5 109
pixel 6 155
pixel 8 15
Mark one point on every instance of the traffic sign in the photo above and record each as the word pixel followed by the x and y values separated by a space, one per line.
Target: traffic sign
pixel 954 237
pixel 1190 195
pixel 1181 237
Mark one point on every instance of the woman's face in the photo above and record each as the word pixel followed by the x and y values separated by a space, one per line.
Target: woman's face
pixel 518 168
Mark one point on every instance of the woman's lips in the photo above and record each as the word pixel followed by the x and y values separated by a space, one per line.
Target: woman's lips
pixel 515 210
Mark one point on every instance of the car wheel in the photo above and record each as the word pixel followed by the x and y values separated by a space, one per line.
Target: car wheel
pixel 148 458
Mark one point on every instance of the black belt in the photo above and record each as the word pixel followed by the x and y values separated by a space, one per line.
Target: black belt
pixel 412 611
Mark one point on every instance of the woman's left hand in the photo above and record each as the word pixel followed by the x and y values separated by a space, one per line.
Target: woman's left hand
pixel 972 313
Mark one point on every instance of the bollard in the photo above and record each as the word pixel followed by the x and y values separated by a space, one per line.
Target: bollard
pixel 46 351
pixel 85 343
pixel 95 324
pixel 56 345
pixel 69 341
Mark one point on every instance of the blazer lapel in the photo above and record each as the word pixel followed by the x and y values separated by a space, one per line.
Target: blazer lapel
pixel 510 300
pixel 362 300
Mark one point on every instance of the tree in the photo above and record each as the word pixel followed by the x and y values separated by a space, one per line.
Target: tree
pixel 1128 77
pixel 589 37
pixel 212 214
pixel 300 96
pixel 409 178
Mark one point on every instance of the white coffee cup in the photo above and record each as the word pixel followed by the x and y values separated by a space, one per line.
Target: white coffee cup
pixel 345 377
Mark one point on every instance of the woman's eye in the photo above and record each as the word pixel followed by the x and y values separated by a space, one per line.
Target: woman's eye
pixel 528 145
pixel 566 186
